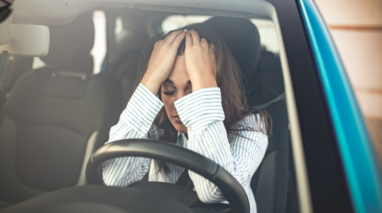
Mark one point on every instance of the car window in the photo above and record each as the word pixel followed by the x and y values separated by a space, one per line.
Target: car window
pixel 99 49
pixel 268 87
pixel 37 63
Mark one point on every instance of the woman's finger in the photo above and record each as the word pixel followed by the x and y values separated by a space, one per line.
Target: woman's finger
pixel 170 38
pixel 195 37
pixel 158 43
pixel 204 42
pixel 178 39
pixel 188 40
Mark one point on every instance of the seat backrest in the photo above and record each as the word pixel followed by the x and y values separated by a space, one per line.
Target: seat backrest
pixel 269 182
pixel 126 73
pixel 55 116
pixel 262 77
pixel 126 50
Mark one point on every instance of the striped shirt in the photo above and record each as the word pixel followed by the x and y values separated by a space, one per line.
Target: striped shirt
pixel 202 113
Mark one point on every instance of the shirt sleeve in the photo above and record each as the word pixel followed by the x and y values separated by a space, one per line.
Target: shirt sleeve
pixel 136 121
pixel 202 113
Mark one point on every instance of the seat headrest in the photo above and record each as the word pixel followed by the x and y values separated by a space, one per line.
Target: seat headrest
pixel 243 39
pixel 261 69
pixel 70 45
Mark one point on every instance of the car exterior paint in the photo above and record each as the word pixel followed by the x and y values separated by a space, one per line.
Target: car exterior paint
pixel 353 139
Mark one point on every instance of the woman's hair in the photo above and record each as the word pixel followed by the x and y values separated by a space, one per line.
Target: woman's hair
pixel 229 80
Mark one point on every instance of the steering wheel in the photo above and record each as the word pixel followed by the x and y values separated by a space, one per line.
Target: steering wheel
pixel 171 153
pixel 140 196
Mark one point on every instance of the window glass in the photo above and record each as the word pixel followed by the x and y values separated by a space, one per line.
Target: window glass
pixel 99 49
pixel 37 63
pixel 118 26
pixel 178 21
pixel 267 34
pixel 268 76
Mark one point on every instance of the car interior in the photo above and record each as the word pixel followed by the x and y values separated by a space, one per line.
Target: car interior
pixel 55 116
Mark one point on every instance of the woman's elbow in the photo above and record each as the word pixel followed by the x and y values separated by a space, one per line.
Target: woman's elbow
pixel 211 196
pixel 107 172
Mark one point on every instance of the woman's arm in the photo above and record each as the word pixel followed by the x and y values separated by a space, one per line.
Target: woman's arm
pixel 203 115
pixel 137 118
pixel 134 122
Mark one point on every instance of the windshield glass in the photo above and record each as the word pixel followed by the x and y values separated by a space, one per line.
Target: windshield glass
pixel 85 71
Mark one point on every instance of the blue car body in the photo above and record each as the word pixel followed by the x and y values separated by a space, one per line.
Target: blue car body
pixel 352 136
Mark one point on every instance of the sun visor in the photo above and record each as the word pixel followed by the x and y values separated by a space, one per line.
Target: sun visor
pixel 27 40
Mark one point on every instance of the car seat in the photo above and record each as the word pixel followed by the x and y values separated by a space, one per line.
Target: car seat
pixel 262 77
pixel 125 48
pixel 55 116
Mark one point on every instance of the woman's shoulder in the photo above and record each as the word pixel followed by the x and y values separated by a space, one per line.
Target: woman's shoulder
pixel 253 121
pixel 251 127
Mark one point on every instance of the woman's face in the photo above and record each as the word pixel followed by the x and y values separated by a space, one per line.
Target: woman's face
pixel 176 86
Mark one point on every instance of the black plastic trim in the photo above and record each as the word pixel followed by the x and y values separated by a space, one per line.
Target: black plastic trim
pixel 327 180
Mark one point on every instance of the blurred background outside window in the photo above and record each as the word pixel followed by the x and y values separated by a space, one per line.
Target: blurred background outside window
pixel 356 27
pixel 99 49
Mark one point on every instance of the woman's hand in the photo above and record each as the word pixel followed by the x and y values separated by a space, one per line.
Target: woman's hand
pixel 200 62
pixel 162 60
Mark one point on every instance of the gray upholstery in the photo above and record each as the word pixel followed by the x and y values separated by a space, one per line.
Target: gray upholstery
pixel 50 115
pixel 269 183
pixel 126 73
pixel 70 45
pixel 125 49
pixel 245 47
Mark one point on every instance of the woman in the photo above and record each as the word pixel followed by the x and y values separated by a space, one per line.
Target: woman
pixel 198 82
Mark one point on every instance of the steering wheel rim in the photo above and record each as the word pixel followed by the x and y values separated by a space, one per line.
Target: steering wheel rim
pixel 171 153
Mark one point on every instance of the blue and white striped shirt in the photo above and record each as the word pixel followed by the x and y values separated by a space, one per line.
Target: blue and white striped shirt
pixel 202 113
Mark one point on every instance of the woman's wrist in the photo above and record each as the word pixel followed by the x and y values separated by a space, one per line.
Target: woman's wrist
pixel 151 83
pixel 145 102
pixel 203 82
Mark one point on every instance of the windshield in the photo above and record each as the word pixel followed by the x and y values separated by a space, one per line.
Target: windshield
pixel 78 68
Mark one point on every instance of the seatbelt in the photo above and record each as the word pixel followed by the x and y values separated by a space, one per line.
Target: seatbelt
pixel 185 180
pixel 261 106
pixel 146 177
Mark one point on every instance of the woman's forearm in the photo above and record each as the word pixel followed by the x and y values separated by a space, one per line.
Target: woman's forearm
pixel 208 136
pixel 137 119
pixel 212 142
pixel 203 115
pixel 135 122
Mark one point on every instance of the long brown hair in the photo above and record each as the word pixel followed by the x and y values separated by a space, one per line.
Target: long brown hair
pixel 228 77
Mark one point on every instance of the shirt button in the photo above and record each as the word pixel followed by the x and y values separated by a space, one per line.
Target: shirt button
pixel 190 129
